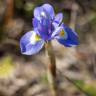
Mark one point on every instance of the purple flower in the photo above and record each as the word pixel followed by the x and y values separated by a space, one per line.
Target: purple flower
pixel 47 26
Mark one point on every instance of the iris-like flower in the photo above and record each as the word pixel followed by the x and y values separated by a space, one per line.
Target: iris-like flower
pixel 47 26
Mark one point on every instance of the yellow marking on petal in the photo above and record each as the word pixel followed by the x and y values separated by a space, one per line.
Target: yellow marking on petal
pixel 62 33
pixel 37 38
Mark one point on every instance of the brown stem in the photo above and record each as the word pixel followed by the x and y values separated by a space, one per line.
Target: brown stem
pixel 51 56
pixel 9 10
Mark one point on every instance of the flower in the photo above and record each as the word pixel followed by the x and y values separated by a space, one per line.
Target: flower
pixel 47 26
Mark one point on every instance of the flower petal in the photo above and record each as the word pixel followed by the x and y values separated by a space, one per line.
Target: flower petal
pixel 37 12
pixel 35 22
pixel 36 25
pixel 46 11
pixel 58 19
pixel 49 9
pixel 72 35
pixel 56 31
pixel 66 43
pixel 29 44
pixel 44 28
pixel 71 38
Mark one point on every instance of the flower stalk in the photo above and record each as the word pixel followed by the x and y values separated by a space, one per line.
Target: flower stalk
pixel 51 68
pixel 51 56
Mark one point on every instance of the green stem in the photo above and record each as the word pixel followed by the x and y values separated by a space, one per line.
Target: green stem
pixel 51 68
